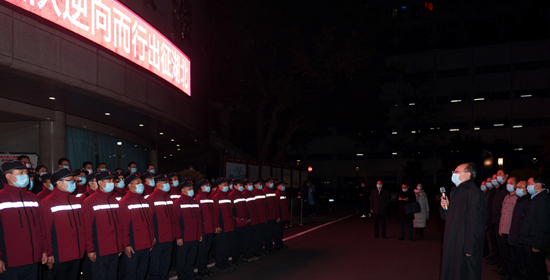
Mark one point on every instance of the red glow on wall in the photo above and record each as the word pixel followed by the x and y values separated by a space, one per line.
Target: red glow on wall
pixel 309 169
pixel 113 26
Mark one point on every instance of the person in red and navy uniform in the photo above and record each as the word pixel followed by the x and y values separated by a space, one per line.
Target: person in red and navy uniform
pixel 210 226
pixel 187 230
pixel 21 228
pixel 261 210
pixel 223 206
pixel 47 186
pixel 174 186
pixel 80 179
pixel 120 186
pixel 63 226
pixel 138 234
pixel 103 228
pixel 272 214
pixel 91 182
pixel 240 217
pixel 161 208
pixel 249 254
pixel 148 180
pixel 284 215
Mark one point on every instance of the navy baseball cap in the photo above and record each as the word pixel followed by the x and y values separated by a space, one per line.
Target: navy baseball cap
pixel 13 164
pixel 103 175
pixel 162 177
pixel 62 173
pixel 131 178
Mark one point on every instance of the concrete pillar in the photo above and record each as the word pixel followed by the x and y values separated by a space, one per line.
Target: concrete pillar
pixel 53 143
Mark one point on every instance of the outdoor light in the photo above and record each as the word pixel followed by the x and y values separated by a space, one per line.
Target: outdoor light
pixel 140 124
pixel 411 104
pixel 359 155
pixel 357 168
pixel 107 114
pixel 394 132
pixel 476 128
pixel 456 101
pixel 454 129
pixel 479 99
pixel 119 143
pixel 498 124
pixel 526 95
pixel 172 140
pixel 517 126
pixel 413 132
pixel 309 169
pixel 394 153
pixel 161 133
pixel 331 200
pixel 500 161
pixel 518 149
pixel 52 98
pixel 177 145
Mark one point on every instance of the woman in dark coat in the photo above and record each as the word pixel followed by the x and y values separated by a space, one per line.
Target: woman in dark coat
pixel 406 196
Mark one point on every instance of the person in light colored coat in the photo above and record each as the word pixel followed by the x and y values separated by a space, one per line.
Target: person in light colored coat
pixel 420 218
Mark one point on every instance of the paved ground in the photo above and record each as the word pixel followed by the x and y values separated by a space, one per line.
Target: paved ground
pixel 348 250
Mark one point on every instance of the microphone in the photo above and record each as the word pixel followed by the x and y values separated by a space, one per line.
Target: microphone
pixel 442 190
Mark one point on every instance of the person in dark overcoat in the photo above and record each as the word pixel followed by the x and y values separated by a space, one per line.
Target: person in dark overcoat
pixel 405 220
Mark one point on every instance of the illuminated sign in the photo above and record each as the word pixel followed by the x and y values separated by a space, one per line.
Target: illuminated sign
pixel 113 26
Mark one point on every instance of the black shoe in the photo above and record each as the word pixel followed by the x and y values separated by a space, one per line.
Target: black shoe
pixel 401 238
pixel 203 274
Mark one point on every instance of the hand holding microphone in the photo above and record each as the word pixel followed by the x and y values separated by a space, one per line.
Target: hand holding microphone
pixel 444 200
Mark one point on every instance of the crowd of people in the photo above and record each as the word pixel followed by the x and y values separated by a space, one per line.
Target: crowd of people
pixel 110 225
pixel 506 220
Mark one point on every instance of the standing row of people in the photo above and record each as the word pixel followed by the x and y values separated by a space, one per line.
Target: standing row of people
pixel 108 225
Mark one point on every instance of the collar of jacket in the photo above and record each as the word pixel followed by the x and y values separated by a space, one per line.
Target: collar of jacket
pixel 59 193
pixel 187 199
pixel 133 194
pixel 13 189
pixel 100 193
pixel 160 192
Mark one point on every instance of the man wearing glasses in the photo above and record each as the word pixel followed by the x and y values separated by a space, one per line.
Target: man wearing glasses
pixel 465 214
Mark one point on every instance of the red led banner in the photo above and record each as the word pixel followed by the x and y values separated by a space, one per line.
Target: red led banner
pixel 113 26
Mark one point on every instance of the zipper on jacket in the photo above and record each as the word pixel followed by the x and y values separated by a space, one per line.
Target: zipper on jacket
pixel 70 222
pixel 147 221
pixel 29 223
pixel 116 232
pixel 77 234
pixel 20 220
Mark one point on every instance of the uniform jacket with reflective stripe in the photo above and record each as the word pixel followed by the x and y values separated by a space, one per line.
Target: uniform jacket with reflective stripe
pixel 147 190
pixel 224 208
pixel 240 215
pixel 282 205
pixel 63 226
pixel 272 204
pixel 43 193
pixel 137 222
pixel 79 189
pixel 82 196
pixel 174 193
pixel 21 230
pixel 261 205
pixel 161 208
pixel 209 216
pixel 250 204
pixel 119 193
pixel 102 224
pixel 187 219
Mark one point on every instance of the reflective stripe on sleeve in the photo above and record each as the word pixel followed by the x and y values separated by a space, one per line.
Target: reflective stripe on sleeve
pixel 224 201
pixel 105 206
pixel 189 206
pixel 18 204
pixel 283 197
pixel 65 207
pixel 270 194
pixel 206 201
pixel 157 203
pixel 174 196
pixel 239 200
pixel 136 206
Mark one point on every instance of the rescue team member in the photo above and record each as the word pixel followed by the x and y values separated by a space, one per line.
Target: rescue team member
pixel 103 229
pixel 240 218
pixel 151 169
pixel 161 208
pixel 80 180
pixel 138 234
pixel 250 250
pixel 174 186
pixel 92 187
pixel 223 208
pixel 63 226
pixel 210 225
pixel 149 185
pixel 120 189
pixel 272 214
pixel 47 186
pixel 132 168
pixel 261 209
pixel 20 226
pixel 187 230
pixel 284 215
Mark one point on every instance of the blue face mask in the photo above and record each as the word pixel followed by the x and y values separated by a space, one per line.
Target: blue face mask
pixel 270 185
pixel 190 193
pixel 455 179
pixel 260 187
pixel 120 184
pixel 225 188
pixel 419 188
pixel 531 189
pixel 520 192
pixel 241 188
pixel 71 186
pixel 191 169
pixel 494 182
pixel 489 185
pixel 176 183
pixel 379 186
pixel 109 187
pixel 207 189
pixel 67 166
pixel 22 181
pixel 404 190
pixel 139 188
pixel 133 170
pixel 31 185
pixel 50 187
pixel 42 173
pixel 231 186
pixel 82 180
pixel 483 188
pixel 250 188
pixel 510 188
pixel 153 171
pixel 166 187
pixel 283 188
pixel 500 179
pixel 151 183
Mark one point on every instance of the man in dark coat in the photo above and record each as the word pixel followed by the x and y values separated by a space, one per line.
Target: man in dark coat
pixel 379 201
pixel 465 226
pixel 406 220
